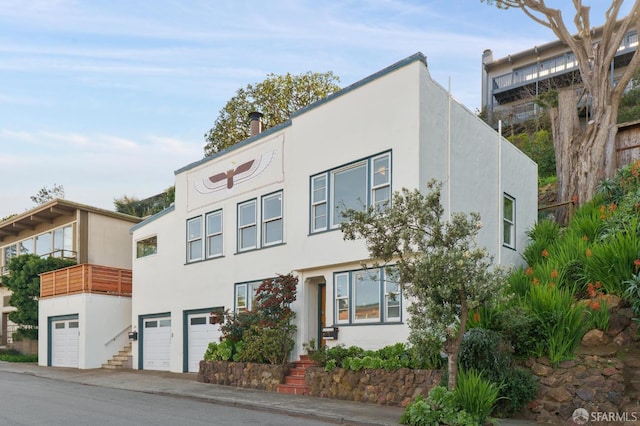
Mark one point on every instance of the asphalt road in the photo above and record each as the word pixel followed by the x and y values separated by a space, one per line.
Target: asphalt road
pixel 28 400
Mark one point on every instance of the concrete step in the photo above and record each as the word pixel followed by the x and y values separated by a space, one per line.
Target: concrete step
pixel 292 389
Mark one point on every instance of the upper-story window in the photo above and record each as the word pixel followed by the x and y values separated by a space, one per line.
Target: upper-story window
pixel 204 236
pixel 355 186
pixel 261 228
pixel 509 221
pixel 194 239
pixel 147 247
pixel 214 234
pixel 272 219
pixel 247 226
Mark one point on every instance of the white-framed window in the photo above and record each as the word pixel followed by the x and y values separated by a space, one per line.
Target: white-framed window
pixel 381 181
pixel 247 226
pixel 214 234
pixel 147 247
pixel 358 186
pixel 245 296
pixel 367 296
pixel 272 219
pixel 194 239
pixel 319 211
pixel 509 221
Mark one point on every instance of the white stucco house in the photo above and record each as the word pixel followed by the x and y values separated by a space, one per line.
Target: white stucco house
pixel 271 205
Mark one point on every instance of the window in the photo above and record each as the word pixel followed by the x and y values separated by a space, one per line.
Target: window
pixel 509 224
pixel 147 247
pixel 319 203
pixel 247 228
pixel 214 234
pixel 63 242
pixel 367 296
pixel 355 186
pixel 272 219
pixel 194 239
pixel 245 296
pixel 43 244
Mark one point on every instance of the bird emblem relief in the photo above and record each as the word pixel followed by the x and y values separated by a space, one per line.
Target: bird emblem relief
pixel 228 179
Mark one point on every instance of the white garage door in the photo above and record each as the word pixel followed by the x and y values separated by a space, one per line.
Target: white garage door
pixel 65 343
pixel 157 343
pixel 199 334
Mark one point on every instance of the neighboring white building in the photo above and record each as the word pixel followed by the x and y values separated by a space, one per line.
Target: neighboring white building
pixel 271 205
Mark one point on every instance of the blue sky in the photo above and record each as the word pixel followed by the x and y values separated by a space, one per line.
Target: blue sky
pixel 108 98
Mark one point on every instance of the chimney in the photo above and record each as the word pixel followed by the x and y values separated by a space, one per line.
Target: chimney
pixel 255 123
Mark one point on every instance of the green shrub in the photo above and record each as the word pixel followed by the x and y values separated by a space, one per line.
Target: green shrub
pixel 425 349
pixel 11 355
pixel 440 408
pixel 270 345
pixel 559 318
pixel 476 394
pixel 484 351
pixel 517 388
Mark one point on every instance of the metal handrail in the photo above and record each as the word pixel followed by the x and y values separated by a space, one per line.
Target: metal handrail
pixel 113 339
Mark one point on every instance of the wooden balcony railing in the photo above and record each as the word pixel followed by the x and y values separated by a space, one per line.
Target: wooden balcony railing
pixel 86 278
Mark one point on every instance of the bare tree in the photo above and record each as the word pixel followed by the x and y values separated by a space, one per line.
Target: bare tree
pixel 585 154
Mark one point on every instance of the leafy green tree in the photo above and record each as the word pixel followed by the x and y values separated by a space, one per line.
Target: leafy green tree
pixel 146 207
pixel 438 264
pixel 539 147
pixel 630 102
pixel 24 282
pixel 277 97
pixel 47 194
pixel 586 152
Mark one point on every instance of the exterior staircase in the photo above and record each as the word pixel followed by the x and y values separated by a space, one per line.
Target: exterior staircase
pixel 123 359
pixel 294 383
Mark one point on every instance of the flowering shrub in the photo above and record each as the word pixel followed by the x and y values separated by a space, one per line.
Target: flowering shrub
pixel 264 334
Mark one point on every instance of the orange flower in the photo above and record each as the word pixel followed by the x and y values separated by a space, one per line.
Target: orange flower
pixel 535 281
pixel 588 253
pixel 545 253
pixel 598 284
pixel 594 305
pixel 585 238
pixel 591 290
pixel 636 263
pixel 574 199
pixel 612 207
pixel 551 285
pixel 554 274
pixel 476 316
pixel 529 271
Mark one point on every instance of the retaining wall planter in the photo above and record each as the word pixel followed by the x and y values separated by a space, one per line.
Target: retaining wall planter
pixel 242 374
pixel 384 387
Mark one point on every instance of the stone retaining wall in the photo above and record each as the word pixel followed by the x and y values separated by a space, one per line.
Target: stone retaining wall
pixel 242 374
pixel 384 387
pixel 591 382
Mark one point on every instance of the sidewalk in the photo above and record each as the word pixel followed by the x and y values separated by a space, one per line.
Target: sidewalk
pixel 185 385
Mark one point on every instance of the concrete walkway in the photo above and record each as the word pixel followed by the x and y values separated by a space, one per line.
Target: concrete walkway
pixel 186 386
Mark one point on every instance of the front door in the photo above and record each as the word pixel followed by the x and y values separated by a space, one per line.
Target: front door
pixel 322 303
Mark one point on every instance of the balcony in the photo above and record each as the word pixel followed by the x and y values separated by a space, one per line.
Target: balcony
pixel 86 278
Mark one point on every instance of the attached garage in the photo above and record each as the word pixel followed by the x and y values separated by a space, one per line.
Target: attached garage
pixel 156 343
pixel 199 334
pixel 65 342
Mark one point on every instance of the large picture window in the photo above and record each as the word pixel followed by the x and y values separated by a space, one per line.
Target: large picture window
pixel 245 296
pixel 367 296
pixel 357 186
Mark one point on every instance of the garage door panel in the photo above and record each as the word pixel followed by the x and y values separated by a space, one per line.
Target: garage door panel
pixel 65 343
pixel 156 344
pixel 200 333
